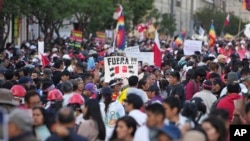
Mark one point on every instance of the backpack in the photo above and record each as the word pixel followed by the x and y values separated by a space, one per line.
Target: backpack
pixel 214 105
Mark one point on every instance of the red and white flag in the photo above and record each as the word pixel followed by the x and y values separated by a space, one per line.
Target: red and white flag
pixel 157 51
pixel 227 20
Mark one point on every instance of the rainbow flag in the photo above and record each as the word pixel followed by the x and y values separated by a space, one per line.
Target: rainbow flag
pixel 120 39
pixel 212 35
pixel 180 39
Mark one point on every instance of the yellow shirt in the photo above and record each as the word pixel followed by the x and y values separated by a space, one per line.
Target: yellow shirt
pixel 123 96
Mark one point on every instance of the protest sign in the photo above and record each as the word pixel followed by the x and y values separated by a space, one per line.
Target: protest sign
pixel 100 37
pixel 143 57
pixel 120 67
pixel 190 46
pixel 75 39
pixel 133 50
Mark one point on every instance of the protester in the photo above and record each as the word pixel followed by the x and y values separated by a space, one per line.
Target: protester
pixel 64 128
pixel 20 126
pixel 125 129
pixel 92 121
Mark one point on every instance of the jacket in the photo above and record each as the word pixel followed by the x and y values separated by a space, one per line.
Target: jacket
pixel 227 103
pixel 25 137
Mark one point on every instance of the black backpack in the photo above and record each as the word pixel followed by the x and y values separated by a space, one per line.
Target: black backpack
pixel 213 107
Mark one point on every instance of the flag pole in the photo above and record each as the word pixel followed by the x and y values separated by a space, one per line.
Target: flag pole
pixel 222 31
pixel 239 25
pixel 238 34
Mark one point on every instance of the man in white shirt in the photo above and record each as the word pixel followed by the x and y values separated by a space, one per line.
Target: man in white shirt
pixel 155 120
pixel 67 89
pixel 206 95
pixel 133 103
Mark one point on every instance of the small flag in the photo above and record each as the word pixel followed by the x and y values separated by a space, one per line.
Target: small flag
pixel 244 4
pixel 157 51
pixel 45 60
pixel 180 39
pixel 201 30
pixel 212 35
pixel 227 20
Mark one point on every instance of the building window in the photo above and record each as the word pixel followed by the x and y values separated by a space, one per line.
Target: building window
pixel 178 3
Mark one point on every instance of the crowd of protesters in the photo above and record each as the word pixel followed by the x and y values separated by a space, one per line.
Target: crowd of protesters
pixel 188 98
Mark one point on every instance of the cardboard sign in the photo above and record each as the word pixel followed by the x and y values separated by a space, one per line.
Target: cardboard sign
pixel 190 46
pixel 120 67
pixel 76 39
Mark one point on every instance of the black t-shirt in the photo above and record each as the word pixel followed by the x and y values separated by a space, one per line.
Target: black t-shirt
pixel 178 89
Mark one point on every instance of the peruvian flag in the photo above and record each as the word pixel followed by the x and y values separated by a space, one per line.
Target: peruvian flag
pixel 227 20
pixel 157 51
pixel 45 60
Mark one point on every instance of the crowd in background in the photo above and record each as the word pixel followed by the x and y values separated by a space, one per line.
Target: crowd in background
pixel 188 98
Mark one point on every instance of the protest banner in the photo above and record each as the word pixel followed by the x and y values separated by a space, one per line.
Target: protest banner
pixel 76 39
pixel 120 67
pixel 190 46
pixel 100 37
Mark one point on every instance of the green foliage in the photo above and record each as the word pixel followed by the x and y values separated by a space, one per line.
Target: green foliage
pixel 206 15
pixel 165 23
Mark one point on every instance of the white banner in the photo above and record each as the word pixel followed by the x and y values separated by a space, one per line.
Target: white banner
pixel 120 67
pixel 190 46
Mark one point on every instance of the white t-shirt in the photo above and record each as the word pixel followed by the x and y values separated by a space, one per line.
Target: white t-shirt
pixel 139 116
pixel 114 112
pixel 142 134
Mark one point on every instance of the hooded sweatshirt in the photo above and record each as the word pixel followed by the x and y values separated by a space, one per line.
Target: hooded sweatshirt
pixel 227 103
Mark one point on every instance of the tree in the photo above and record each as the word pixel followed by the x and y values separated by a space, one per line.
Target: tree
pixel 49 14
pixel 219 18
pixel 165 22
pixel 94 15
pixel 9 8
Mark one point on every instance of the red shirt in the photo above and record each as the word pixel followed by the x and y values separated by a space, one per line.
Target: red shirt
pixel 227 103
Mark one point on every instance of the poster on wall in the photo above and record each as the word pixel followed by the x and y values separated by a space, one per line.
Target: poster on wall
pixel 120 67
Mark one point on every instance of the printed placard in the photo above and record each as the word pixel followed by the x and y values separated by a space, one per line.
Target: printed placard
pixel 120 67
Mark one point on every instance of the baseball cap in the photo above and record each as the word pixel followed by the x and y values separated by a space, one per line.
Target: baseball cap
pixel 221 56
pixel 171 131
pixel 90 87
pixel 24 79
pixel 106 91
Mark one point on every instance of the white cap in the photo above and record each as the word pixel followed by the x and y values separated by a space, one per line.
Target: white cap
pixel 66 56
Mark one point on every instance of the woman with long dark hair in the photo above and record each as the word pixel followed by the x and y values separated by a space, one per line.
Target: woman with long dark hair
pixel 111 110
pixel 92 127
pixel 125 129
pixel 41 123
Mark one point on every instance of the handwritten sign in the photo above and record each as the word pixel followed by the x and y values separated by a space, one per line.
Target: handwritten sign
pixel 190 46
pixel 135 50
pixel 120 67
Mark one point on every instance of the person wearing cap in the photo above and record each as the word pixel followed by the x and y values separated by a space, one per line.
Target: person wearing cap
pixel 227 102
pixel 116 86
pixel 169 133
pixel 133 104
pixel 153 93
pixel 111 110
pixel 231 78
pixel 20 126
pixel 7 101
pixel 89 91
pixel 206 95
pixel 25 82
